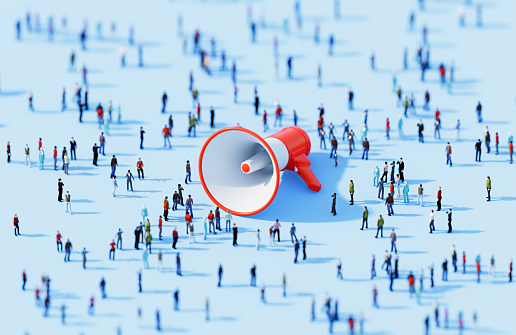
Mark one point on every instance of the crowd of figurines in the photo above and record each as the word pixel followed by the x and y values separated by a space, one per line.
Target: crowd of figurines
pixel 396 184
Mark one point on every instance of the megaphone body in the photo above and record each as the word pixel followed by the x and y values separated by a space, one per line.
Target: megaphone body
pixel 240 171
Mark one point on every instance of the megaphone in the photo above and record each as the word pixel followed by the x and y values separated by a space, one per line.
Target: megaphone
pixel 240 171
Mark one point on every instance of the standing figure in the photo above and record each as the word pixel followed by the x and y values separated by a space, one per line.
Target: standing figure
pixel 220 271
pixel 41 158
pixel 365 153
pixel 334 144
pixel 479 112
pixel 256 103
pixel 102 141
pixel 188 177
pixel 175 237
pixel 166 207
pixel 166 136
pixel 339 269
pixel 142 132
pixel 421 128
pixel 103 288
pixel 130 178
pixel 189 204
pixel 73 147
pixel 58 241
pixel 112 250
pixel 68 250
pixel 148 242
pixel 235 235
pixel 397 184
pixel 164 99
pixel 178 265
pixel 376 175
pixel 385 172
pixel 393 242
pixel 66 161
pixel 389 201
pixel 31 101
pixel 180 190
pixel 449 212
pixel 137 237
pixel 510 270
pixel 27 155
pixel 60 186
pixel 448 154
pixel 420 194
pixel 16 225
pixel 488 187
pixel 497 142
pixel 228 219
pixel 115 185
pixel 477 261
pixel 296 250
pixel 511 151
pixel 68 201
pixel 488 139
pixel 401 169
pixel 95 153
pixel 333 207
pixel 139 168
pixel 144 213
pixel 118 237
pixel 351 191
pixel 114 164
pixel 439 199
pixel 8 151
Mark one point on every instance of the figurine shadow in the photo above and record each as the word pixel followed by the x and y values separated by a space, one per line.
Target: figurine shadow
pixel 108 315
pixel 347 54
pixel 102 85
pixel 411 252
pixel 317 260
pixel 33 235
pixel 12 92
pixel 156 291
pixel 193 274
pixel 167 329
pixel 83 201
pixel 63 295
pixel 78 323
pixel 296 203
pixel 118 298
pixel 224 318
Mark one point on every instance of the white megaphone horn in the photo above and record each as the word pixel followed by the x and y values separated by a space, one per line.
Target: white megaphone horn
pixel 240 170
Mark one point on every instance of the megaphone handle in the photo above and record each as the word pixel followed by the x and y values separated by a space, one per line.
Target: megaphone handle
pixel 302 165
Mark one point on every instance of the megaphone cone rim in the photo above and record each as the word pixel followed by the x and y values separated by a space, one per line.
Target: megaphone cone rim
pixel 274 161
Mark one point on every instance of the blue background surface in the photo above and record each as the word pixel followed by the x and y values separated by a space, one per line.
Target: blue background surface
pixel 484 72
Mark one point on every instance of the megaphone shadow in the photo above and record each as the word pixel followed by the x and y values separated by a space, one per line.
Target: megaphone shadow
pixel 296 203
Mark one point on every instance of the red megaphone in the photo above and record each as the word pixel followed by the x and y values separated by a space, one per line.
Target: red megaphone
pixel 240 170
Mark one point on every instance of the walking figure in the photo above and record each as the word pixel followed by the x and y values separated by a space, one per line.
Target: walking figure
pixel 380 226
